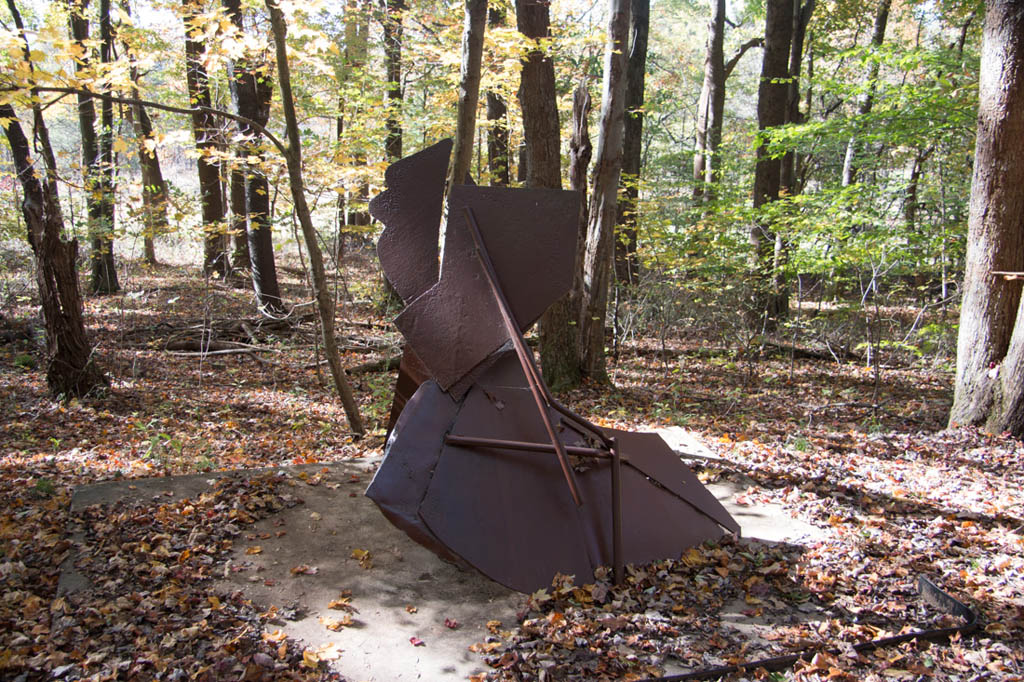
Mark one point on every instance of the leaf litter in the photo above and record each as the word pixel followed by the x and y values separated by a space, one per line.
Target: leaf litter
pixel 899 496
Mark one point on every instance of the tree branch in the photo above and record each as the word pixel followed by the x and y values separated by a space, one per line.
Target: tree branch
pixel 157 105
pixel 731 64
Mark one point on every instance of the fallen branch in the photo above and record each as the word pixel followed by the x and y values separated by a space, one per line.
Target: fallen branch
pixel 382 365
pixel 224 351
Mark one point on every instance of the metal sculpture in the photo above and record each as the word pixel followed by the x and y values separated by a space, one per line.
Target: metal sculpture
pixel 482 464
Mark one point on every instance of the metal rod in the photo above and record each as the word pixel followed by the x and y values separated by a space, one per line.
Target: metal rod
pixel 473 441
pixel 616 512
pixel 525 359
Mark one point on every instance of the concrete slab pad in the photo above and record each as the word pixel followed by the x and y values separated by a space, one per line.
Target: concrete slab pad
pixel 404 594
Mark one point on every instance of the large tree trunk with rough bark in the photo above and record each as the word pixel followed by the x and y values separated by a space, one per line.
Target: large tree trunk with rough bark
pixel 71 368
pixel 626 264
pixel 293 159
pixel 772 107
pixel 542 153
pixel 990 349
pixel 469 89
pixel 204 127
pixel 597 265
pixel 559 335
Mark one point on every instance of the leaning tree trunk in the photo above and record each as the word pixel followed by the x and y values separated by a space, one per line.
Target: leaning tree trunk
pixel 204 127
pixel 71 368
pixel 293 158
pixel 772 106
pixel 990 349
pixel 469 89
pixel 626 264
pixel 597 265
pixel 154 188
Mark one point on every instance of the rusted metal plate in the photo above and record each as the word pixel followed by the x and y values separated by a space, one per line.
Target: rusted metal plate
pixel 508 512
pixel 410 209
pixel 531 237
pixel 533 490
pixel 410 457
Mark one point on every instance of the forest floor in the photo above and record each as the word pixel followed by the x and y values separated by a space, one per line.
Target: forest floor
pixel 901 496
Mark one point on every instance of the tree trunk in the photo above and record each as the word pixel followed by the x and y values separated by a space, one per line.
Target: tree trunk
pixel 104 270
pixel 711 105
pixel 910 201
pixel 788 172
pixel 626 264
pixel 71 368
pixel 868 99
pixel 497 140
pixel 392 25
pixel 293 158
pixel 801 19
pixel 541 160
pixel 990 349
pixel 469 89
pixel 240 256
pixel 97 166
pixel 204 127
pixel 597 265
pixel 252 90
pixel 541 132
pixel 154 188
pixel 772 106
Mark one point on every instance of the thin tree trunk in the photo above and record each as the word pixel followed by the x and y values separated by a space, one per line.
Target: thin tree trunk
pixel 626 264
pixel 497 125
pixel 293 158
pixel 990 349
pixel 597 266
pixel 104 270
pixel 204 127
pixel 469 89
pixel 154 188
pixel 711 105
pixel 392 24
pixel 868 99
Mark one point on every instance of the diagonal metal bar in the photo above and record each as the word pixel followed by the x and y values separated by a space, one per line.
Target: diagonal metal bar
pixel 524 355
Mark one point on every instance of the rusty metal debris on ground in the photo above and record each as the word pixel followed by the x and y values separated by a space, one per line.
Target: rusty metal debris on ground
pixel 482 465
